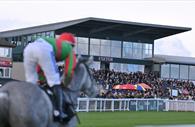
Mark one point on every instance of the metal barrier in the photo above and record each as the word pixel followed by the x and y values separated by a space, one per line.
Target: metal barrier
pixel 102 104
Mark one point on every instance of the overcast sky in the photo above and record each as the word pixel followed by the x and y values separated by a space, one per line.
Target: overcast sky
pixel 19 14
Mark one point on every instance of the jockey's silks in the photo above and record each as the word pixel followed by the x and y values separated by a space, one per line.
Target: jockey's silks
pixel 41 76
pixel 70 64
pixel 63 51
pixel 61 48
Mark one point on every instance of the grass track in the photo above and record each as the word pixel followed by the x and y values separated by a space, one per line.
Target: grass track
pixel 131 119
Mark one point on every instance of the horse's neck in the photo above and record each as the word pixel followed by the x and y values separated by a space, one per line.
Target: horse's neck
pixel 71 97
pixel 74 88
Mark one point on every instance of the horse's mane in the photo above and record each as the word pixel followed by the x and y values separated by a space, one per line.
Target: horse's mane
pixel 85 61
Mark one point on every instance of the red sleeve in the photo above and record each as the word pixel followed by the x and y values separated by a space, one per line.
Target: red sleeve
pixel 41 76
pixel 70 64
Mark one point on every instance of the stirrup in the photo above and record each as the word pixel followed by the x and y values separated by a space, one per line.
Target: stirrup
pixel 61 117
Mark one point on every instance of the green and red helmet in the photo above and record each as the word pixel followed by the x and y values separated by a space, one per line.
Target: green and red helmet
pixel 67 37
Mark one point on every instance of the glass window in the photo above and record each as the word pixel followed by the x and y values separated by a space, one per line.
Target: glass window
pixel 13 41
pixel 116 52
pixel 95 65
pixel 7 72
pixel 10 39
pixel 128 44
pixel 137 50
pixel 150 46
pixel 174 71
pixel 82 49
pixel 5 52
pixel 147 53
pixel 140 68
pixel 2 52
pixel 82 40
pixel 43 34
pixel 24 40
pixel 82 46
pixel 147 46
pixel 147 50
pixel 183 72
pixel 115 43
pixel 1 73
pixel 105 48
pixel 165 71
pixel 95 50
pixel 38 35
pixel 132 68
pixel 137 45
pixel 9 53
pixel 19 43
pixel 105 42
pixel 94 41
pixel 95 47
pixel 76 49
pixel 127 50
pixel 33 37
pixel 116 49
pixel 115 66
pixel 29 39
pixel 192 73
pixel 52 34
pixel 47 34
pixel 126 67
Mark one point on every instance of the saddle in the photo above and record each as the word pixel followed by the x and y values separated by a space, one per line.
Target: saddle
pixel 68 108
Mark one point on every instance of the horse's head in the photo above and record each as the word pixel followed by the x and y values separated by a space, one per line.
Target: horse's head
pixel 83 79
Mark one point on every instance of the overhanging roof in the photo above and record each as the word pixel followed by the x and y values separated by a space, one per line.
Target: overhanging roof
pixel 104 28
pixel 4 43
pixel 173 59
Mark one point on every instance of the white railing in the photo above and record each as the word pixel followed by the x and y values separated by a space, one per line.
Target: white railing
pixel 101 104
pixel 181 105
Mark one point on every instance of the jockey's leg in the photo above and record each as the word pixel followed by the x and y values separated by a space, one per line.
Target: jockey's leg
pixel 30 62
pixel 48 64
pixel 57 90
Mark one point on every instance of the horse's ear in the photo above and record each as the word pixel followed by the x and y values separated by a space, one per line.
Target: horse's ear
pixel 78 58
pixel 90 61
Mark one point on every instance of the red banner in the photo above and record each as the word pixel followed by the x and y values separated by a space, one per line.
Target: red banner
pixel 5 62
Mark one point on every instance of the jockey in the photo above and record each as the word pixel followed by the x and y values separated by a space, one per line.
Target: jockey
pixel 69 65
pixel 45 52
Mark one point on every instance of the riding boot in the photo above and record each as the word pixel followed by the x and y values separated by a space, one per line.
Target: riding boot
pixel 57 90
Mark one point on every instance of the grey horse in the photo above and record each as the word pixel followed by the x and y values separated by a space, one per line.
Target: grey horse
pixel 24 104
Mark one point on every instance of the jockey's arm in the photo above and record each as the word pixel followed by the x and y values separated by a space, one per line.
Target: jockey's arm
pixel 69 66
pixel 41 76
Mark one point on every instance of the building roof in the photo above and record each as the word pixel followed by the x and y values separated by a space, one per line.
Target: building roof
pixel 173 59
pixel 4 43
pixel 103 28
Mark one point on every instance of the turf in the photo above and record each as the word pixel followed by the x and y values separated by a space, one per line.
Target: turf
pixel 132 119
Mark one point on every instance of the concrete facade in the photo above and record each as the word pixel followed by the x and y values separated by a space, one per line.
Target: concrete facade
pixel 18 71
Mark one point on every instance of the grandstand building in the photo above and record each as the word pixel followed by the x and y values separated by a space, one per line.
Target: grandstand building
pixel 118 45
pixel 5 60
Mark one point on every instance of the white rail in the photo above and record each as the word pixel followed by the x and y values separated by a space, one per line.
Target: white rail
pixel 101 104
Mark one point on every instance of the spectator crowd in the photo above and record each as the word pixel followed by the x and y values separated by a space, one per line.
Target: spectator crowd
pixel 161 88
